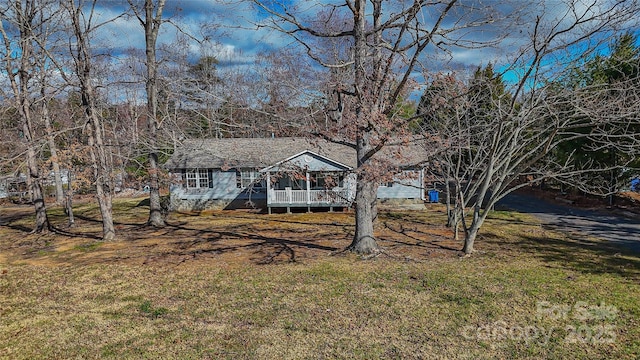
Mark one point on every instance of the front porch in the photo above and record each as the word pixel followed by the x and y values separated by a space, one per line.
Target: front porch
pixel 310 191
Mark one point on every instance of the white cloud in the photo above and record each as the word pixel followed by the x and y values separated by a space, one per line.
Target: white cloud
pixel 235 41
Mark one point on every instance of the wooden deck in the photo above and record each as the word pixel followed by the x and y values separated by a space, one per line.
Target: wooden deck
pixel 308 198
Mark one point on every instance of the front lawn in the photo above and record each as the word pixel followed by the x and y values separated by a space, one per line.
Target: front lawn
pixel 240 285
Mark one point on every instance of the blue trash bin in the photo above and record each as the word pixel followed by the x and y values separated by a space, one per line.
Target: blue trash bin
pixel 434 196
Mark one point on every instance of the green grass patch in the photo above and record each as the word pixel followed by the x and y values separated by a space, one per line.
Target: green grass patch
pixel 88 246
pixel 147 308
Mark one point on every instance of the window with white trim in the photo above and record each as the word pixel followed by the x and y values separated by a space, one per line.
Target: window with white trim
pixel 246 178
pixel 197 178
pixel 203 178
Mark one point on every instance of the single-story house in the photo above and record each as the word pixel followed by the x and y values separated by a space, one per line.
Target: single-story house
pixel 267 173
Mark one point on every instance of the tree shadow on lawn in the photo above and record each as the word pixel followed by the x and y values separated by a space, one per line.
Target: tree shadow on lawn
pixel 97 220
pixel 311 219
pixel 12 220
pixel 260 247
pixel 9 217
pixel 178 243
pixel 573 251
pixel 433 239
pixel 229 238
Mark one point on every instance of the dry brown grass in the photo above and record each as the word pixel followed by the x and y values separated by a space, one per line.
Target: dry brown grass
pixel 241 285
pixel 235 237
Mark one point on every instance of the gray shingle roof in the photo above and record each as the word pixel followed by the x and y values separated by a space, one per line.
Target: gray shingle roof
pixel 262 152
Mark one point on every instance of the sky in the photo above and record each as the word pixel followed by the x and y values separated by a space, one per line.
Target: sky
pixel 225 28
pixel 232 37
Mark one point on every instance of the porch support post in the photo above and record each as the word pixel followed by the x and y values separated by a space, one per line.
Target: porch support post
pixel 308 189
pixel 269 189
pixel 422 194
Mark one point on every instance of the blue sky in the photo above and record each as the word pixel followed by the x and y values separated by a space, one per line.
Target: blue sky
pixel 235 42
pixel 238 41
pixel 228 27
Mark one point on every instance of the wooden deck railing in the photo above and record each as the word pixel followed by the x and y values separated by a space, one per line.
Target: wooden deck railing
pixel 308 197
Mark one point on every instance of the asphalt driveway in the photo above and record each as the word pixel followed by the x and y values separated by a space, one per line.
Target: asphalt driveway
pixel 617 229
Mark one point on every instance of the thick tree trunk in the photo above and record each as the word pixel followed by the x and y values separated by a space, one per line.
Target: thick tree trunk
pixel 42 221
pixel 364 241
pixel 101 173
pixel 469 240
pixel 37 195
pixel 155 206
pixel 472 232
pixel 108 230
pixel 101 177
pixel 151 27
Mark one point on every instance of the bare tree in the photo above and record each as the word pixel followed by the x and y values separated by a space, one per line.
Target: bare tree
pixel 81 16
pixel 379 46
pixel 151 20
pixel 23 20
pixel 499 140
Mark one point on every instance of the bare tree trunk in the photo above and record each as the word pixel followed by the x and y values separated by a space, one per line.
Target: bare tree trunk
pixel 101 175
pixel 469 240
pixel 54 150
pixel 37 195
pixel 472 232
pixel 42 220
pixel 69 202
pixel 99 159
pixel 20 74
pixel 479 216
pixel 155 207
pixel 364 241
pixel 151 24
pixel 447 188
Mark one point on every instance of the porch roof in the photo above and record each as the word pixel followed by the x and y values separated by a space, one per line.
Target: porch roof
pixel 300 161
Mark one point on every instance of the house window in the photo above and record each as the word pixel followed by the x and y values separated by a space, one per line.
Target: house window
pixel 197 178
pixel 192 179
pixel 295 183
pixel 203 178
pixel 246 178
pixel 326 180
